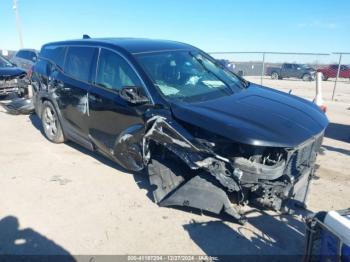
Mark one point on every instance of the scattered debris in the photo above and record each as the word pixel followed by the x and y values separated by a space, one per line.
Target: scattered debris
pixel 60 180
pixel 12 79
pixel 19 106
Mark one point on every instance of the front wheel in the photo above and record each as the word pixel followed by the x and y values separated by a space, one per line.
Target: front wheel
pixel 51 124
pixel 275 76
pixel 307 77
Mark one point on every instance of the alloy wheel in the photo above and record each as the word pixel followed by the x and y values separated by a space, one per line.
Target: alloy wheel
pixel 50 122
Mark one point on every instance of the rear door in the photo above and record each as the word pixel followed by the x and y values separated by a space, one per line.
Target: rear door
pixel 286 69
pixel 295 71
pixel 72 88
pixel 109 113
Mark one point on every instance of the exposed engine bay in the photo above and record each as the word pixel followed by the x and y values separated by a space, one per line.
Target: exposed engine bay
pixel 195 168
pixel 13 83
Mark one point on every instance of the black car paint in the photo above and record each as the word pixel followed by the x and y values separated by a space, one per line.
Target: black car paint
pixel 101 120
pixel 7 73
pixel 250 117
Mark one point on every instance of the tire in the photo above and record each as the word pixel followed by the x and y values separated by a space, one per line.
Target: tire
pixel 275 76
pixel 306 77
pixel 324 78
pixel 51 123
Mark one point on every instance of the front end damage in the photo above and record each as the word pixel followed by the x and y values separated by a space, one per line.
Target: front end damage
pixel 13 83
pixel 205 171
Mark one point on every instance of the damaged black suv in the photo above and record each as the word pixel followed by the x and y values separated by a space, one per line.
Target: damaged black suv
pixel 207 138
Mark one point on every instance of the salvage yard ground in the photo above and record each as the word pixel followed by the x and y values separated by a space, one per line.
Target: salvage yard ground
pixel 62 199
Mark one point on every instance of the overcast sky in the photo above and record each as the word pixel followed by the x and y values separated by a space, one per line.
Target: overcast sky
pixel 222 25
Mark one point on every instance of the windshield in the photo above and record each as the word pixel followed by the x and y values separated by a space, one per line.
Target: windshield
pixel 184 75
pixel 4 62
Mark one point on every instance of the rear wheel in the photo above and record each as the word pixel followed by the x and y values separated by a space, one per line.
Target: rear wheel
pixel 51 124
pixel 324 78
pixel 275 76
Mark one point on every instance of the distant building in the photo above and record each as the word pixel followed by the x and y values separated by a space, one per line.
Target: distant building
pixel 7 53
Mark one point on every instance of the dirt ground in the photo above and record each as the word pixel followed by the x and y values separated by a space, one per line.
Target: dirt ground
pixel 63 199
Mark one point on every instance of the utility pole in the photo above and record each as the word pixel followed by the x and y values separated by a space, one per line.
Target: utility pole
pixel 18 23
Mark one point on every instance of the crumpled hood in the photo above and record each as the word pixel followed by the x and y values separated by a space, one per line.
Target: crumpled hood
pixel 10 72
pixel 256 116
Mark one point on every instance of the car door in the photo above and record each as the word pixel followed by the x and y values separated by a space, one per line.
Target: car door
pixel 109 114
pixel 286 68
pixel 72 88
pixel 296 71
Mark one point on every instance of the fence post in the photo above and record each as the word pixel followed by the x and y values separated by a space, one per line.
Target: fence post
pixel 336 79
pixel 263 69
pixel 318 97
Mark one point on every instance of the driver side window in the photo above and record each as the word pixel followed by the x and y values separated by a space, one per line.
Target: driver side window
pixel 113 72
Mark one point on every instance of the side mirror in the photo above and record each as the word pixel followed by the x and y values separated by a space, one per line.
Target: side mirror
pixel 133 95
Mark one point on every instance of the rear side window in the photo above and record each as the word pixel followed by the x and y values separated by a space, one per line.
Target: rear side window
pixel 78 62
pixel 55 54
pixel 114 72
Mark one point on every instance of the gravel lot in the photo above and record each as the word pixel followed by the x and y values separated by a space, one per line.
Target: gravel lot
pixel 62 199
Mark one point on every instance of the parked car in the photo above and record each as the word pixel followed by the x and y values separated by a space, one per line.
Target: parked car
pixel 231 66
pixel 25 58
pixel 11 78
pixel 300 71
pixel 204 135
pixel 332 70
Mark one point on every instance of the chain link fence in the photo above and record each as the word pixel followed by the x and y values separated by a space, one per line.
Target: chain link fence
pixel 258 66
pixel 288 66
